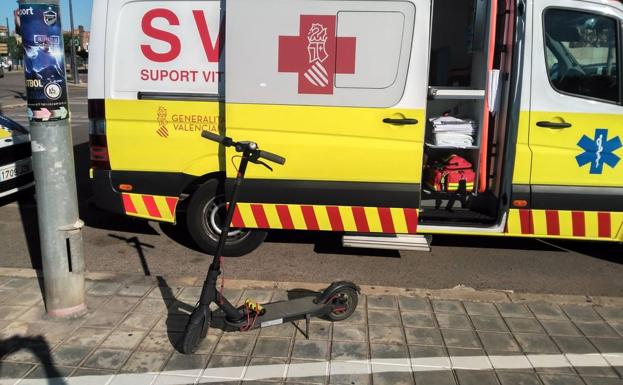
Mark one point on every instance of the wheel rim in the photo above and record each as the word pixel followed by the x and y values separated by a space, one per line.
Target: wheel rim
pixel 342 308
pixel 212 217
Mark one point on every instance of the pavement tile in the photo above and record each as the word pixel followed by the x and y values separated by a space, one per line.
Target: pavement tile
pixel 481 309
pixel 453 321
pixel 35 314
pixel 345 332
pixel 119 304
pixel 388 375
pixel 560 379
pixel 266 369
pixel 226 367
pixel 235 344
pixel 190 294
pixel 390 354
pixel 40 375
pixel 68 355
pixel 54 331
pixel 574 345
pixel 21 283
pixel 618 326
pixel 358 316
pixel 140 321
pixel 141 362
pixel 133 378
pixel 310 350
pixel 25 350
pixel 386 334
pixel 384 317
pixel 524 325
pixel 284 331
pixel 510 362
pixel 257 295
pixel 382 302
pixel 191 364
pixel 317 330
pixel 514 310
pixel 12 312
pixel 428 358
pixel 518 378
pixel 550 364
pixel 168 379
pixel 418 320
pixel 172 323
pixel 104 289
pixel 105 319
pixel 608 345
pixel 423 336
pixel 157 341
pixel 547 311
pixel 93 302
pixel 414 304
pixel 610 314
pixel 489 324
pixel 86 336
pixel 602 381
pixel 498 342
pixel 307 372
pixel 107 359
pixel 596 329
pixel 469 359
pixel 165 292
pixel 448 306
pixel 560 328
pixel 460 338
pixel 434 378
pixel 4 324
pixel 14 369
pixel 124 339
pixel 22 298
pixel 134 290
pixel 471 377
pixel 272 347
pixel 536 343
pixel 103 374
pixel 151 305
pixel 344 351
pixel 207 345
pixel 582 313
pixel 361 374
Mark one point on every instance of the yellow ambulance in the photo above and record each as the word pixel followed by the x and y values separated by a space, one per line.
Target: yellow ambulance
pixel 397 117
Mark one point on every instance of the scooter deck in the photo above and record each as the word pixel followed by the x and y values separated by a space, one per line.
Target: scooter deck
pixel 287 311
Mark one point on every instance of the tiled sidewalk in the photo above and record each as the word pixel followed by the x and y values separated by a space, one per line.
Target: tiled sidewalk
pixel 134 323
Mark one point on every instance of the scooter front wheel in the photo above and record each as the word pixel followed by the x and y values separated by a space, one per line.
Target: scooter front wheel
pixel 344 303
pixel 196 330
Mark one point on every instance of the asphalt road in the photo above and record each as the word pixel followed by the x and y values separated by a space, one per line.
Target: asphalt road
pixel 121 244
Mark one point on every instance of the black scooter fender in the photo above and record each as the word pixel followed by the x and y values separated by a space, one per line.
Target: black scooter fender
pixel 334 288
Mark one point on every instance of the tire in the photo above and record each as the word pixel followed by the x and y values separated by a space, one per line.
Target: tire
pixel 350 298
pixel 204 217
pixel 195 331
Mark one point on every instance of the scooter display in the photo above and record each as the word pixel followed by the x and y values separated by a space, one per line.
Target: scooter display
pixel 336 303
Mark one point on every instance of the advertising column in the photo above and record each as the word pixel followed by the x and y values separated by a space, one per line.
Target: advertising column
pixel 52 157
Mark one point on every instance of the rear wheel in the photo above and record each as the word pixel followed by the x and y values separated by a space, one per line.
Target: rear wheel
pixel 344 303
pixel 204 219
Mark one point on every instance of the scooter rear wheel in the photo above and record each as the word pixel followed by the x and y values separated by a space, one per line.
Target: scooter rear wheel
pixel 345 303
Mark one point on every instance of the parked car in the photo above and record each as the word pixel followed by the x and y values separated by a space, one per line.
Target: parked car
pixel 15 163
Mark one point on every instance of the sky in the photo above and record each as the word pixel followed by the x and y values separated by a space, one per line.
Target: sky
pixel 82 13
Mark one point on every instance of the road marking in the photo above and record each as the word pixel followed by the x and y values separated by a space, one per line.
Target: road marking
pixel 328 368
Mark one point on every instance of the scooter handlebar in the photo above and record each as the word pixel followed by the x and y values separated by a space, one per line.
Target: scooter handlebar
pixel 272 157
pixel 214 137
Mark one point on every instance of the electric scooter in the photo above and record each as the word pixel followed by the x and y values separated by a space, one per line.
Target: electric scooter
pixel 336 303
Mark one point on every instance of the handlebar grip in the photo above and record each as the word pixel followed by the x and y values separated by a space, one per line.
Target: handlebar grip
pixel 211 136
pixel 272 157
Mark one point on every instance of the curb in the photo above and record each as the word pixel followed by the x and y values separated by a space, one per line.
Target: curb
pixel 460 293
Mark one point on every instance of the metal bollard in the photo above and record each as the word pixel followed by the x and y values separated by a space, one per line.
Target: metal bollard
pixel 52 158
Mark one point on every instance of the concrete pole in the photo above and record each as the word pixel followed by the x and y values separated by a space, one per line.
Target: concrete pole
pixel 52 158
pixel 74 64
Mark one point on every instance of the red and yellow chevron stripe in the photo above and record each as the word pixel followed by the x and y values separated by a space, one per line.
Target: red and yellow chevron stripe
pixel 154 207
pixel 565 224
pixel 326 218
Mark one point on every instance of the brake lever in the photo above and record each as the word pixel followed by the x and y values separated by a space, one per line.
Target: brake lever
pixel 263 164
pixel 255 159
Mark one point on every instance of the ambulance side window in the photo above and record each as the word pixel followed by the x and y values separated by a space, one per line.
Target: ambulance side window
pixel 583 54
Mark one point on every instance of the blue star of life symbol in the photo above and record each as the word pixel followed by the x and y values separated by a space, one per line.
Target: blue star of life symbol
pixel 599 151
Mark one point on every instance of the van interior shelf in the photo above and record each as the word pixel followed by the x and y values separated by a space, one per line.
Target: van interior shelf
pixel 435 146
pixel 455 93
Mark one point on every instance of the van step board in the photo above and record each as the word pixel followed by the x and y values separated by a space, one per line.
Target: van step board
pixel 397 242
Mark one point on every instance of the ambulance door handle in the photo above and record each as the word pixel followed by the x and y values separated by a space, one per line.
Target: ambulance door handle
pixel 400 121
pixel 557 125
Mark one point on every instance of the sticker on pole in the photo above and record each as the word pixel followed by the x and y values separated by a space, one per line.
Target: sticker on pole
pixel 44 62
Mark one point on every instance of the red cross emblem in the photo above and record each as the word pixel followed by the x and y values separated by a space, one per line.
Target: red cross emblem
pixel 317 54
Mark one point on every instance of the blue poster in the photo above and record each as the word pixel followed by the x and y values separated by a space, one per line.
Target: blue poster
pixel 44 61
